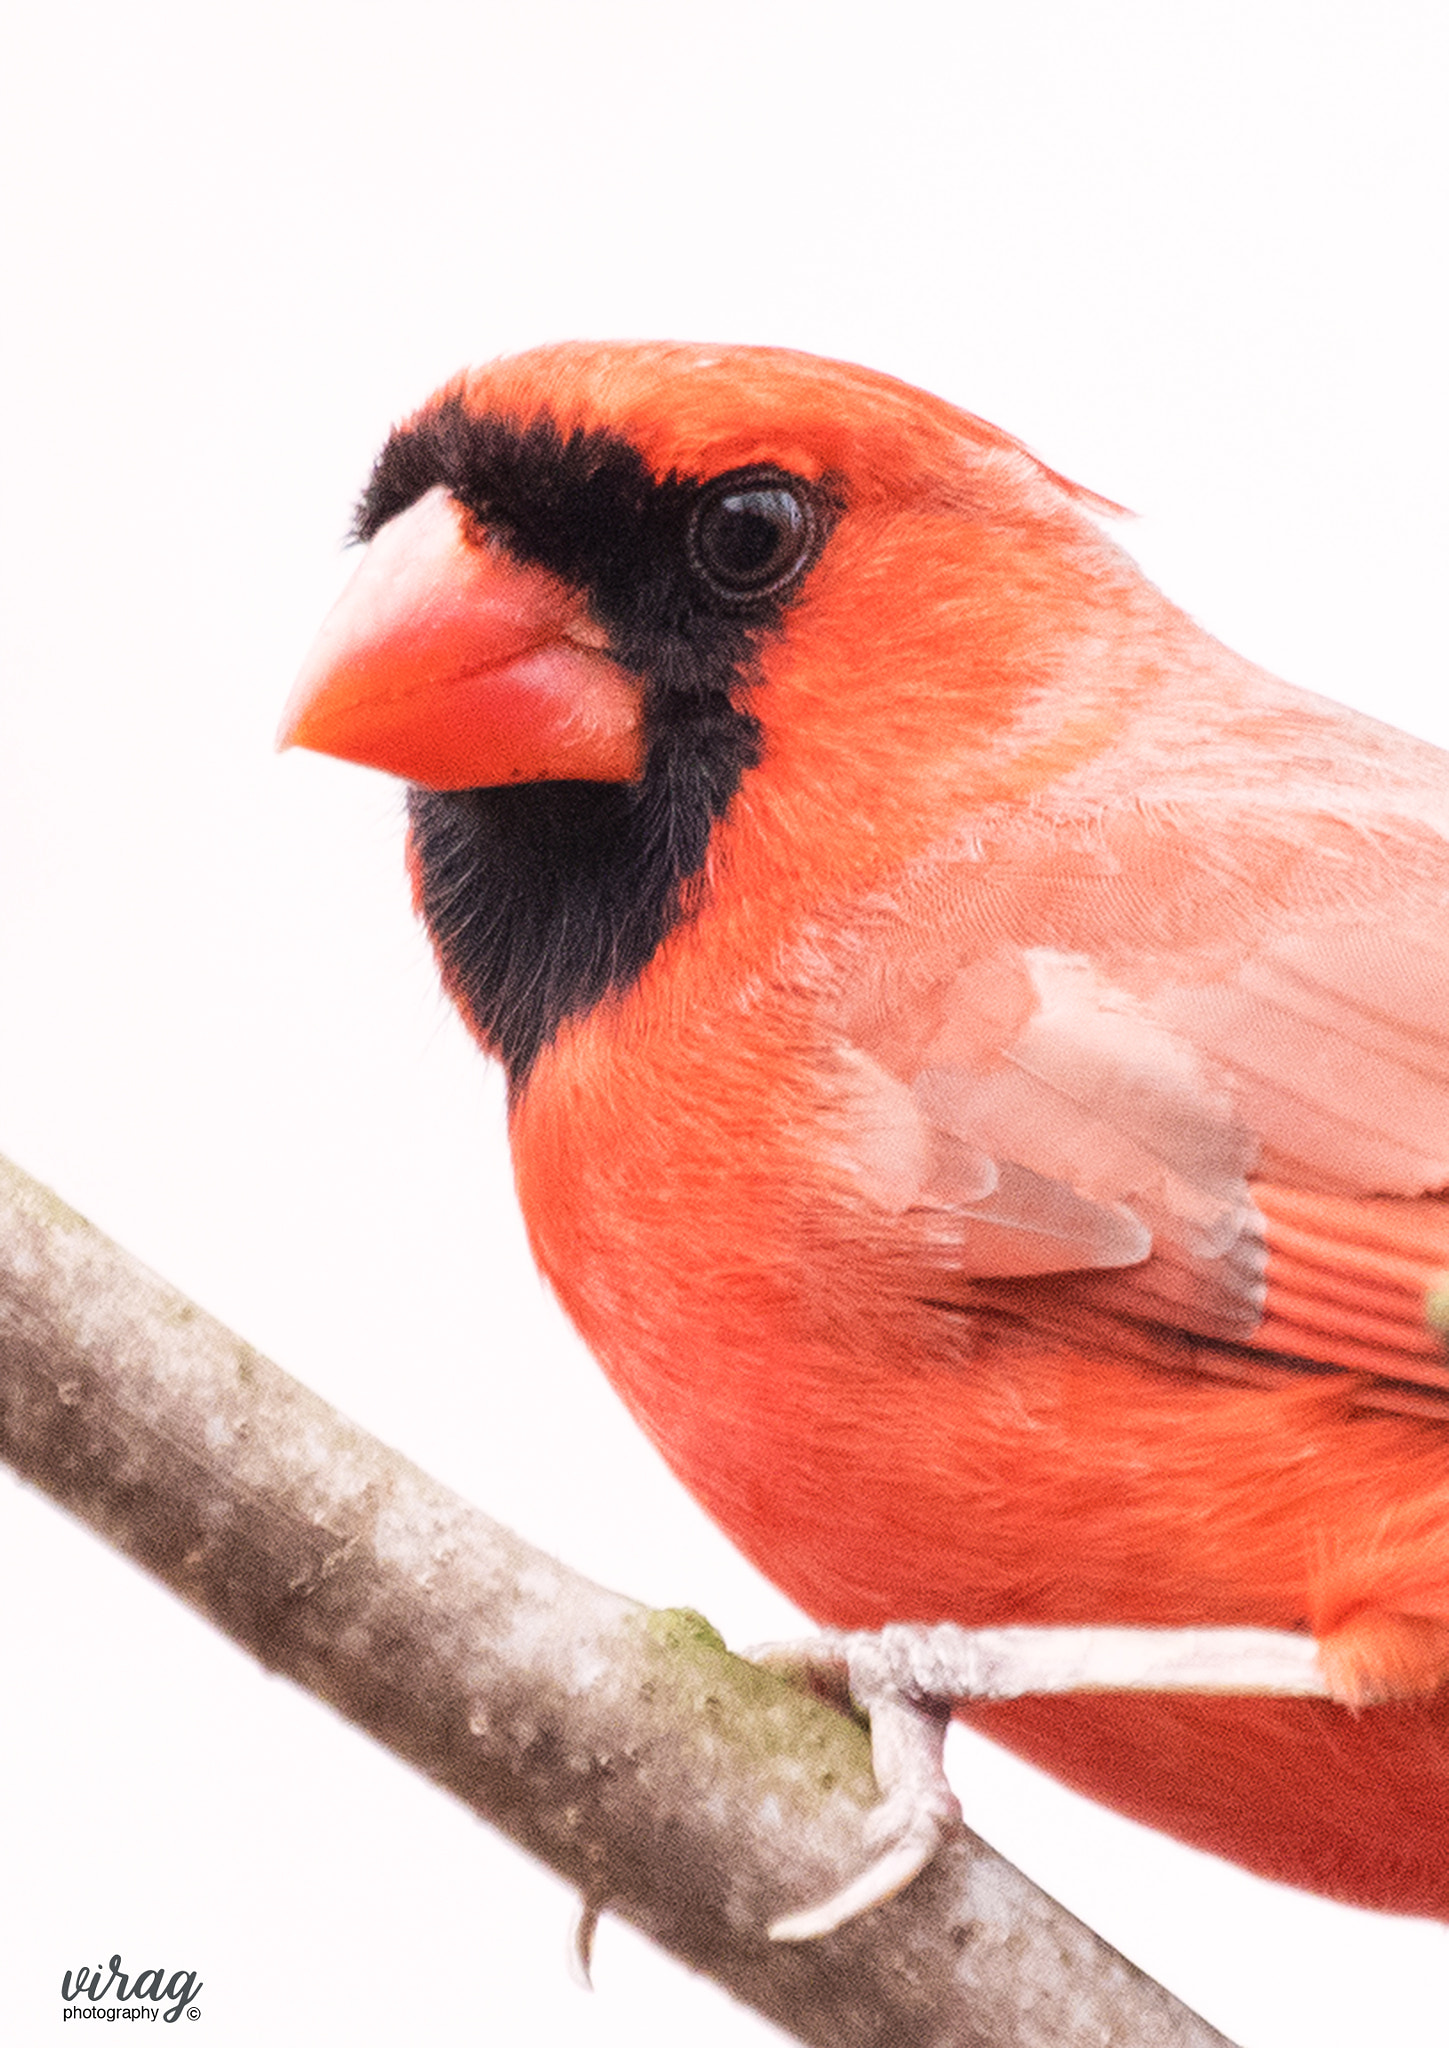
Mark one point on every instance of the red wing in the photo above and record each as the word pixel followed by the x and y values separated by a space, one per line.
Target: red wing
pixel 1185 1132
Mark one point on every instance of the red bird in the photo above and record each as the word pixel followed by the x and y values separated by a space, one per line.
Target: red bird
pixel 978 1049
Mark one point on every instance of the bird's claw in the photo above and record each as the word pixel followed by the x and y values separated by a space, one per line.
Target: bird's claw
pixel 909 1678
pixel 907 1743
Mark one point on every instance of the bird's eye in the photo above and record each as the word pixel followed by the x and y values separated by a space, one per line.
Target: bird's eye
pixel 751 534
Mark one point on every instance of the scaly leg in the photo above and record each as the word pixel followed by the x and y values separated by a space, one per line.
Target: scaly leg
pixel 909 1678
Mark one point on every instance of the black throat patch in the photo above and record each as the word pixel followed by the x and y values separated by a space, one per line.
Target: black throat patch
pixel 543 899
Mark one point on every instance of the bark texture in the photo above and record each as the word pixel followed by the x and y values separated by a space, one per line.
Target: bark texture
pixel 677 1785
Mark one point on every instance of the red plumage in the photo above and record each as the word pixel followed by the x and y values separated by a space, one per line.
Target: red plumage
pixel 1007 1184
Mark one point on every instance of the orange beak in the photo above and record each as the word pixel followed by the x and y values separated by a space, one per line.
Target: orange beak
pixel 449 663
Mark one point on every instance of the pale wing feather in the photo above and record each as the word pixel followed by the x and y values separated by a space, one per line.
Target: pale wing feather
pixel 1219 995
pixel 1082 1134
pixel 1337 1045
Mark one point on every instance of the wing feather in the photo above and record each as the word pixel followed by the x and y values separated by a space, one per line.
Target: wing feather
pixel 1128 1086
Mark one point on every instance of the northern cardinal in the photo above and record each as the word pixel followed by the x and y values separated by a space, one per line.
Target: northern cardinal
pixel 978 1049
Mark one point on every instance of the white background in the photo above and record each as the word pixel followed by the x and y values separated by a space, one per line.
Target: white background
pixel 1193 255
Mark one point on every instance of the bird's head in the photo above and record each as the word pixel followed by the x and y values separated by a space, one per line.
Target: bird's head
pixel 615 595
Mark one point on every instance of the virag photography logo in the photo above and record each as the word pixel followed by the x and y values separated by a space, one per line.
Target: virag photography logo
pixel 149 1995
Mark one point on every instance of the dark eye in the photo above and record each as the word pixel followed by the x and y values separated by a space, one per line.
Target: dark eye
pixel 751 534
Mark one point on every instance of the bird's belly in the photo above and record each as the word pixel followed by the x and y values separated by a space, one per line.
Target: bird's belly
pixel 882 1458
pixel 885 1457
pixel 1044 1487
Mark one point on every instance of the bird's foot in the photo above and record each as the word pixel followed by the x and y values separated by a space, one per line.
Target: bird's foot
pixel 910 1677
pixel 908 1722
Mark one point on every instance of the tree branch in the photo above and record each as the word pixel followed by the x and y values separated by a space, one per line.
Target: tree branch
pixel 680 1787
